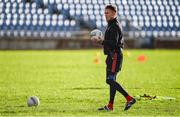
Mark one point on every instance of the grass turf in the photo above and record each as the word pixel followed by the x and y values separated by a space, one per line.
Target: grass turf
pixel 69 83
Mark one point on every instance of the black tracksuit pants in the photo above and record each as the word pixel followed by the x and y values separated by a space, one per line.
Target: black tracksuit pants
pixel 113 66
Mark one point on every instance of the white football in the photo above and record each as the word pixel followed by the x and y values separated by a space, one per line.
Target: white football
pixel 97 34
pixel 33 101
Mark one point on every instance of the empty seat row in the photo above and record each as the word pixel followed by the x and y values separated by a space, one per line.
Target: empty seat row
pixel 64 15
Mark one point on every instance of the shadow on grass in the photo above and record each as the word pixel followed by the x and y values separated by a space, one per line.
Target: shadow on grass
pixel 87 88
pixel 94 88
pixel 175 88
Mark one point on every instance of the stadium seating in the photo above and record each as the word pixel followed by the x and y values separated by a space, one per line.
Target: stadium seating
pixel 55 17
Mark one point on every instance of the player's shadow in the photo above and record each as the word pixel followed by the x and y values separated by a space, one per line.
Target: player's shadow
pixel 88 88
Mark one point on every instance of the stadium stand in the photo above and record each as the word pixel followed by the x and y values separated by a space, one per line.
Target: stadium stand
pixel 58 18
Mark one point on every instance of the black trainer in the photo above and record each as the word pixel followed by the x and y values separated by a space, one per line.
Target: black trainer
pixel 105 108
pixel 129 104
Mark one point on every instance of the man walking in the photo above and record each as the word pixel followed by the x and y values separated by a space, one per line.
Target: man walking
pixel 113 44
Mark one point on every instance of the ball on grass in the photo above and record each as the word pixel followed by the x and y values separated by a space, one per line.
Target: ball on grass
pixel 33 101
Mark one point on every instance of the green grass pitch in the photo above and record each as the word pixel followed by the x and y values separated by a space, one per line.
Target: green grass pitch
pixel 69 83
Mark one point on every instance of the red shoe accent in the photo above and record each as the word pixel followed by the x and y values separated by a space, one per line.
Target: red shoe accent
pixel 110 106
pixel 129 98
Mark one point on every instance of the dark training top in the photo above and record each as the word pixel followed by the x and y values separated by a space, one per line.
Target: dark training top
pixel 113 41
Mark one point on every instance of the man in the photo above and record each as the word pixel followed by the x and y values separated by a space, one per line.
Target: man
pixel 113 43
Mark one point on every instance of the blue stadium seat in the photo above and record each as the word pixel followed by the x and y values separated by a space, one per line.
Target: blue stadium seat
pixel 71 15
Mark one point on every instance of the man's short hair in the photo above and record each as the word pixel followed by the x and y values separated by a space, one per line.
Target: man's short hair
pixel 111 7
